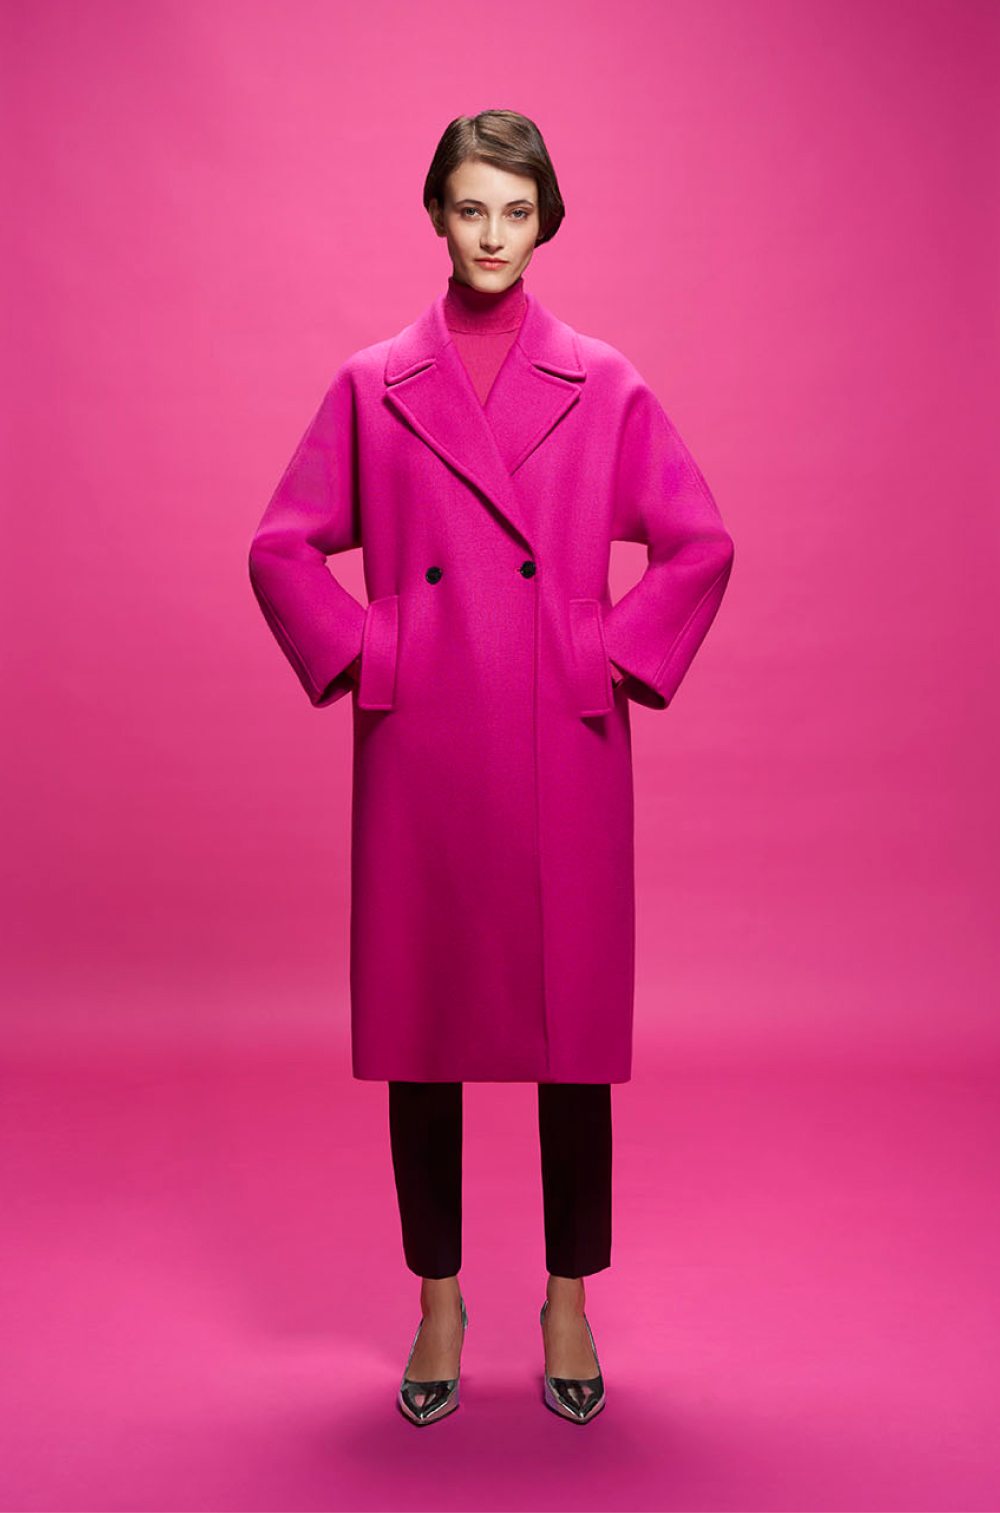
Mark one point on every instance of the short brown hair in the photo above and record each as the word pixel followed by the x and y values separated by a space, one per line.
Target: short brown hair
pixel 509 141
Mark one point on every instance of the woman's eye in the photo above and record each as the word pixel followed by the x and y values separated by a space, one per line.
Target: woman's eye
pixel 469 210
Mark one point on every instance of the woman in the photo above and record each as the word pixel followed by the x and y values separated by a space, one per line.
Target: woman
pixel 484 459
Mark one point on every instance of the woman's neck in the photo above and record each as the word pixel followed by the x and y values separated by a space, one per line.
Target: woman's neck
pixel 468 309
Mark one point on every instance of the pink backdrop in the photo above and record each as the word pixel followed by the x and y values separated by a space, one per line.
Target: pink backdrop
pixel 786 215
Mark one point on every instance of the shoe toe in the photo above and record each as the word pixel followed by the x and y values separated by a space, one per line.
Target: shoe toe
pixel 579 1399
pixel 425 1400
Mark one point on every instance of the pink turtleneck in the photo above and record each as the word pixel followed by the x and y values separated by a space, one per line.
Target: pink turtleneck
pixel 484 326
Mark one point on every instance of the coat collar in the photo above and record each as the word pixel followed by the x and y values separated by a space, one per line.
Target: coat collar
pixel 541 378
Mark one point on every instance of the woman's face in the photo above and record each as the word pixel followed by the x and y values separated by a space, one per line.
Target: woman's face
pixel 488 214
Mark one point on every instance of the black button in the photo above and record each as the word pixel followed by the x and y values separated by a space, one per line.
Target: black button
pixel 527 569
pixel 432 574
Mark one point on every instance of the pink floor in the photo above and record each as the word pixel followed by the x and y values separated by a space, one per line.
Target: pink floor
pixel 206 1306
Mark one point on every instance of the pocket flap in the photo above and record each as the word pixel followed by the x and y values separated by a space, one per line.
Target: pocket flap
pixel 593 671
pixel 379 643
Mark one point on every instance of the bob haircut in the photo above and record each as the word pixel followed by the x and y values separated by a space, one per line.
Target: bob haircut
pixel 509 141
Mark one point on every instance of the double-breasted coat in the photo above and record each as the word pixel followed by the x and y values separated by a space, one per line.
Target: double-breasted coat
pixel 492 929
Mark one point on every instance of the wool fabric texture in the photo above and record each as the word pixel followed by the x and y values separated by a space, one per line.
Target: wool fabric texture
pixel 492 922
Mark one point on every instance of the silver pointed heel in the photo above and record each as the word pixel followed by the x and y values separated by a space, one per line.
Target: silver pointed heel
pixel 577 1399
pixel 426 1402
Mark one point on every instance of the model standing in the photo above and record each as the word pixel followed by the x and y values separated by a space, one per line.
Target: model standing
pixel 484 459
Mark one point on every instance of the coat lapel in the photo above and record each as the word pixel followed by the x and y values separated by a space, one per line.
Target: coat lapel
pixel 541 378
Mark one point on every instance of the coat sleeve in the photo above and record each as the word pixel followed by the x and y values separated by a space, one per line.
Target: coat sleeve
pixel 662 500
pixel 313 513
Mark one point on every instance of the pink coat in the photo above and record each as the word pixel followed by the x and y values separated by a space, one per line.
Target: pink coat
pixel 492 928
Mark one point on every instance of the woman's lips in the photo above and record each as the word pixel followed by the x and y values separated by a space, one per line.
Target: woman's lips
pixel 491 262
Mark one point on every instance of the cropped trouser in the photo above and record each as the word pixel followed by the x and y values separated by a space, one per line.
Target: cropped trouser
pixel 574 1127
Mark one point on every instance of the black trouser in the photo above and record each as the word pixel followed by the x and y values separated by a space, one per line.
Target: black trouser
pixel 574 1127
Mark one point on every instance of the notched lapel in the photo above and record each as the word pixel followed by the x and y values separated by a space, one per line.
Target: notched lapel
pixel 541 378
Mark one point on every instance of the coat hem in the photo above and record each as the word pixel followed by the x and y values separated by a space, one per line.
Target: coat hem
pixel 575 1081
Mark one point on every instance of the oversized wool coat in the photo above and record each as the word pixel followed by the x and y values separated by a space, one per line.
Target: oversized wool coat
pixel 492 929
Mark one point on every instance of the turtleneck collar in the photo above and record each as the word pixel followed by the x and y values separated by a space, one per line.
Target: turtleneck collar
pixel 468 309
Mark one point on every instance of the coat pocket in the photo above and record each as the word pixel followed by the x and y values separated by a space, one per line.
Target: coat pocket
pixel 595 694
pixel 379 644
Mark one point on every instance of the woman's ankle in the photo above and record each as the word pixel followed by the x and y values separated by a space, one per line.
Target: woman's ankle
pixel 439 1294
pixel 566 1292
